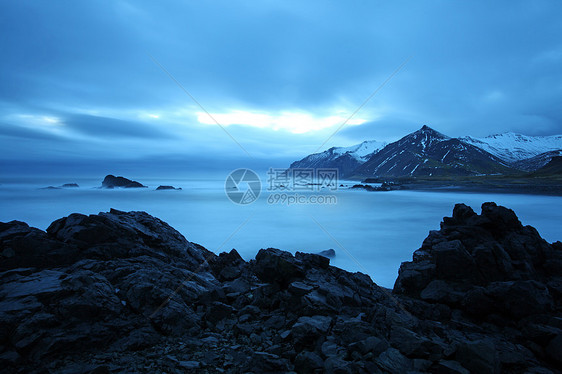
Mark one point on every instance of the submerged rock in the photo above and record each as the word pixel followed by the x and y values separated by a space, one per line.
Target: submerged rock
pixel 66 185
pixel 123 291
pixel 330 253
pixel 366 187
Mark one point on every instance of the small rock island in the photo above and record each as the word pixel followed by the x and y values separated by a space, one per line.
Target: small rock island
pixel 111 181
pixel 163 188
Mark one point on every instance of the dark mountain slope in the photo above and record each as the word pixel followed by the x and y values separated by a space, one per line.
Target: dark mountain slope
pixel 345 159
pixel 536 162
pixel 427 152
pixel 553 168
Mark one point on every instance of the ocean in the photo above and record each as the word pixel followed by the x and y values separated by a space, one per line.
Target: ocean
pixel 371 232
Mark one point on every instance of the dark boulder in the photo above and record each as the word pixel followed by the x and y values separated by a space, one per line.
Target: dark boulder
pixel 118 234
pixel 277 266
pixel 478 356
pixel 308 362
pixel 311 260
pixel 392 361
pixel 27 247
pixel 554 349
pixel 227 266
pixel 263 362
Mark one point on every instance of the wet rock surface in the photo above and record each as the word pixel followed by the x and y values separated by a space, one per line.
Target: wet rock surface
pixel 125 292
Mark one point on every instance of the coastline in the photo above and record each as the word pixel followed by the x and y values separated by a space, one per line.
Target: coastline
pixel 483 184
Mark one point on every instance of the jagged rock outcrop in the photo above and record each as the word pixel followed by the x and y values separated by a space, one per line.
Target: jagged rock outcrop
pixel 488 264
pixel 123 291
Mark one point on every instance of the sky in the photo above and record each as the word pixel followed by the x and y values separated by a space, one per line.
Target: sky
pixel 93 81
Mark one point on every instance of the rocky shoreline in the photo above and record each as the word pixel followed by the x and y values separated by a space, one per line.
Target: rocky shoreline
pixel 486 184
pixel 125 292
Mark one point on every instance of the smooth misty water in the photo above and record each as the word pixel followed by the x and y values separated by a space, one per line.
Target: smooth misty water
pixel 371 232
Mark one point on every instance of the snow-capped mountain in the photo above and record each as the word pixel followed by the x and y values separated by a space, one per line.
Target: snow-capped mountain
pixel 363 151
pixel 512 147
pixel 346 159
pixel 427 152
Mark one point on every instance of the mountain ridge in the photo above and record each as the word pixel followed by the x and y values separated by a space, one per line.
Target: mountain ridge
pixel 427 152
pixel 513 147
pixel 342 158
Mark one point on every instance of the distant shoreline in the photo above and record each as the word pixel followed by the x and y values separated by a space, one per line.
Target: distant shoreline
pixel 505 189
pixel 527 186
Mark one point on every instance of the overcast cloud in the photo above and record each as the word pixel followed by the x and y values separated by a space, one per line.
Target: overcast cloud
pixel 77 79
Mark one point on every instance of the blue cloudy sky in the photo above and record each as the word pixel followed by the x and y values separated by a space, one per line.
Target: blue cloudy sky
pixel 80 80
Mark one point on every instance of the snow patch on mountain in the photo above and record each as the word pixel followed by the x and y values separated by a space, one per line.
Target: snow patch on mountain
pixel 512 147
pixel 345 159
pixel 361 152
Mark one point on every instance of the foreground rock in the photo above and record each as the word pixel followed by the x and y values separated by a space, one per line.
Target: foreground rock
pixel 126 292
pixel 111 181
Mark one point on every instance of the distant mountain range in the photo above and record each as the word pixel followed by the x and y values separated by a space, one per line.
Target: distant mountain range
pixel 428 153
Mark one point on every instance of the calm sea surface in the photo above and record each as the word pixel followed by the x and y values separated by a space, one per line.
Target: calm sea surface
pixel 372 232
